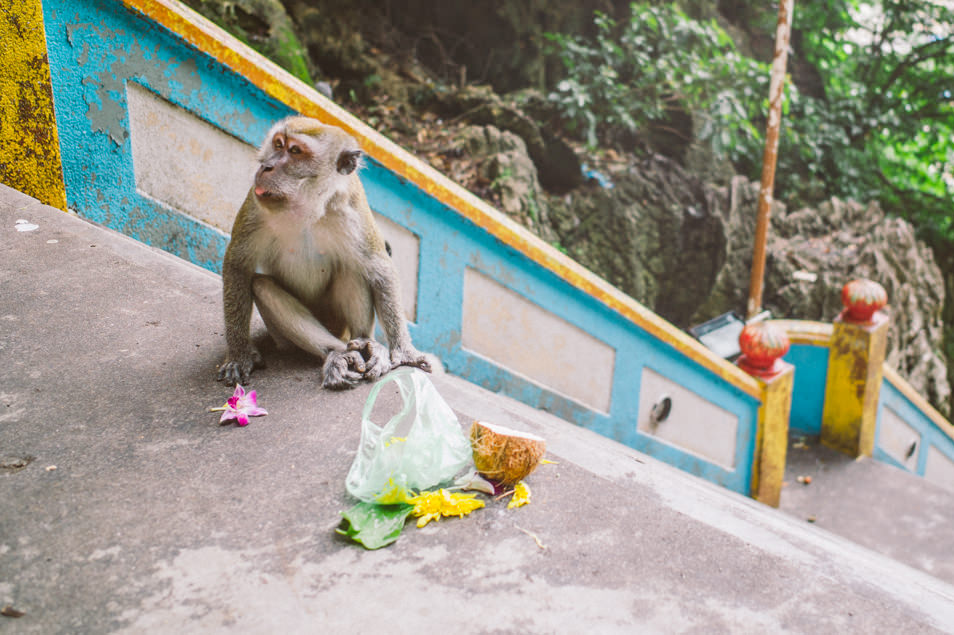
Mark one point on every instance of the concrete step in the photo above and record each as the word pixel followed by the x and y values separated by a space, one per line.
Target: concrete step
pixel 125 507
pixel 879 506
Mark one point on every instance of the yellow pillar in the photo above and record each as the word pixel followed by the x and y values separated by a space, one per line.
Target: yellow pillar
pixel 29 145
pixel 763 344
pixel 771 442
pixel 855 360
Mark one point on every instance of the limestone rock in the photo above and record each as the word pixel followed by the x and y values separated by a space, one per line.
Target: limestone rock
pixel 503 162
pixel 557 165
pixel 837 242
pixel 654 234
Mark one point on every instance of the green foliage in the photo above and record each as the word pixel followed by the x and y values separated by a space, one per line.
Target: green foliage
pixel 882 128
pixel 631 76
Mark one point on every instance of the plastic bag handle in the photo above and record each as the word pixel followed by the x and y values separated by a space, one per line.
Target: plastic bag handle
pixel 394 375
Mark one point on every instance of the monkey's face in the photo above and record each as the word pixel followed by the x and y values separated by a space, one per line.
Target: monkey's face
pixel 302 154
pixel 286 161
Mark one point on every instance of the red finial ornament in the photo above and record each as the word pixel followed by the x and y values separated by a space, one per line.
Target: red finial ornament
pixel 862 299
pixel 763 344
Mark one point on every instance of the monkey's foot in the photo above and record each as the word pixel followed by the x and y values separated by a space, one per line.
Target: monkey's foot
pixel 342 370
pixel 410 357
pixel 375 356
pixel 236 369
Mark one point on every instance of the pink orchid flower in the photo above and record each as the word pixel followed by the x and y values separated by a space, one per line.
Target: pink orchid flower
pixel 241 406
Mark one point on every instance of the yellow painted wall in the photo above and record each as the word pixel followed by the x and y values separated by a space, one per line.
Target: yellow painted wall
pixel 29 147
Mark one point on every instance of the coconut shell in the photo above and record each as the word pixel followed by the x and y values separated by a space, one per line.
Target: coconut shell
pixel 503 455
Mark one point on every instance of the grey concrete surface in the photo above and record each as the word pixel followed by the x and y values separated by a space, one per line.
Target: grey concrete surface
pixel 156 519
pixel 877 505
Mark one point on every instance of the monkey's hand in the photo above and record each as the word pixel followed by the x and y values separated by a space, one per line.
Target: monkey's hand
pixel 342 369
pixel 236 369
pixel 375 356
pixel 410 356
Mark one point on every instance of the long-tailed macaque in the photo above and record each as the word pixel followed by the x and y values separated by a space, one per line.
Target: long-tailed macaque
pixel 306 250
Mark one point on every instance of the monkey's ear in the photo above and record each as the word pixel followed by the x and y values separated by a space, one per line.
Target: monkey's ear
pixel 348 161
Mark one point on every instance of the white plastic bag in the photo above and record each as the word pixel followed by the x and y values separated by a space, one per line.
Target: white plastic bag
pixel 420 448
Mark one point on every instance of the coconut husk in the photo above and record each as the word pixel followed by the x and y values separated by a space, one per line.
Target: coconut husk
pixel 503 455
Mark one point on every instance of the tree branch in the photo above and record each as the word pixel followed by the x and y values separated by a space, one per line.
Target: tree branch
pixel 919 54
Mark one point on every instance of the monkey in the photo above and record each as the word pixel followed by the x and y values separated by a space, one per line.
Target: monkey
pixel 306 251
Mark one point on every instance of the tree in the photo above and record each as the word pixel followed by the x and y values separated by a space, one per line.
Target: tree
pixel 883 128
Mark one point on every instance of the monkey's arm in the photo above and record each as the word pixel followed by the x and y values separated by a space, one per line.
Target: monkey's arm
pixel 285 315
pixel 386 292
pixel 242 356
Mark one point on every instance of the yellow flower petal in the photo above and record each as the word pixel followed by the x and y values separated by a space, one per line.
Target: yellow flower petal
pixel 433 505
pixel 423 520
pixel 521 496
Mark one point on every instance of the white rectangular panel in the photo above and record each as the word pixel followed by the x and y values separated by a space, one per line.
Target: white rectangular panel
pixel 405 249
pixel 898 439
pixel 693 423
pixel 509 329
pixel 186 163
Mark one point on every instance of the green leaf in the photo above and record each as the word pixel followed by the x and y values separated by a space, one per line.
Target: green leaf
pixel 374 526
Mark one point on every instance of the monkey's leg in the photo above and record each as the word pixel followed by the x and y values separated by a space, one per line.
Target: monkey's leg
pixel 280 342
pixel 291 320
pixel 351 297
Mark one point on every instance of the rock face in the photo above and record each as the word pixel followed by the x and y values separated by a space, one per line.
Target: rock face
pixel 501 43
pixel 503 162
pixel 840 241
pixel 652 230
pixel 520 113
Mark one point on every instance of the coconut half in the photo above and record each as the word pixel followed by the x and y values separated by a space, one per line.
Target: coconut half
pixel 504 455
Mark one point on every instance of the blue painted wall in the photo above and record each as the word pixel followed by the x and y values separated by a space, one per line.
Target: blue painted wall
pixel 96 46
pixel 930 434
pixel 808 394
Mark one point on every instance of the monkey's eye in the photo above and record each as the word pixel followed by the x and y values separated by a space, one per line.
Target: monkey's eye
pixel 294 150
pixel 278 143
